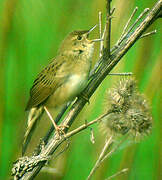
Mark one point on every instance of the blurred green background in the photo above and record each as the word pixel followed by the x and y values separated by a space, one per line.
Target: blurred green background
pixel 30 34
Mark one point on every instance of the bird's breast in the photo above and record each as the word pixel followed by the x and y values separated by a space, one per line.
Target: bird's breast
pixel 76 83
pixel 72 87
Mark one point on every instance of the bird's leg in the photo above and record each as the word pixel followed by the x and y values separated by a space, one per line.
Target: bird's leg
pixel 49 115
pixel 59 129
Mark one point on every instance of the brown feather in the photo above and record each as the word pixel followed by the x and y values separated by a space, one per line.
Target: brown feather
pixel 34 115
pixel 45 84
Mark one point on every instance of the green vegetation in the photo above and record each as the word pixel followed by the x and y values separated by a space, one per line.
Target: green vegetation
pixel 30 34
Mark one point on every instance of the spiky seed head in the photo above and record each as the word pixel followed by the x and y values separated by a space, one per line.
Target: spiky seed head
pixel 128 112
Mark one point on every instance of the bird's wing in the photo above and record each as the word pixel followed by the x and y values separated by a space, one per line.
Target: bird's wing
pixel 45 84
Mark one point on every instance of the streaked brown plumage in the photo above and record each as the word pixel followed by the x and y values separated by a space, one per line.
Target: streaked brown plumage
pixel 62 80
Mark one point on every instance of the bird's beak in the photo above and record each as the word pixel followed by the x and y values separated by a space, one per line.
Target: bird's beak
pixel 92 29
pixel 94 40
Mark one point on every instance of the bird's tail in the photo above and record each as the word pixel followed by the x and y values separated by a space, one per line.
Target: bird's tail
pixel 33 117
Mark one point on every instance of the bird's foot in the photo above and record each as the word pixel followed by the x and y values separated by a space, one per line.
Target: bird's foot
pixel 60 129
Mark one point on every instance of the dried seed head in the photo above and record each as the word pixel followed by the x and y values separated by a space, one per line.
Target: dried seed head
pixel 140 122
pixel 128 111
pixel 119 97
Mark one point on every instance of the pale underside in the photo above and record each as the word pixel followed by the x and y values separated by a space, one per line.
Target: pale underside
pixel 61 81
pixel 68 91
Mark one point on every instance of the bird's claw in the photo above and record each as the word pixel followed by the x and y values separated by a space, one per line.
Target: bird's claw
pixel 60 130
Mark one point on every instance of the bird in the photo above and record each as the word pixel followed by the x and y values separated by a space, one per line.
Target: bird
pixel 63 79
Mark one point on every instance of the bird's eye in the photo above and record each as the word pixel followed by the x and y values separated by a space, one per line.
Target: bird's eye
pixel 79 37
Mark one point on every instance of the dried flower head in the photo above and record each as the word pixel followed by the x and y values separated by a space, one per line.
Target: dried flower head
pixel 128 111
pixel 119 96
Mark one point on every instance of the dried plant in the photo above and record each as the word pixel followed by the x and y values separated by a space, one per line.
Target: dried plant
pixel 128 111
pixel 127 114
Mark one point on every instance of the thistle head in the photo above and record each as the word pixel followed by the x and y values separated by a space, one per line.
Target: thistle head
pixel 128 111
